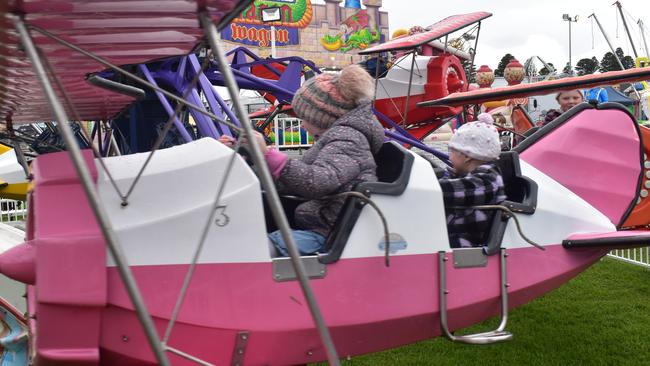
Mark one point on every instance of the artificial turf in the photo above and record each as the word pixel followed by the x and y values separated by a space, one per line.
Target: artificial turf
pixel 602 317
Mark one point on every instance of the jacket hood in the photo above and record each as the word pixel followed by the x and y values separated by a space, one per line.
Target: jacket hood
pixel 363 120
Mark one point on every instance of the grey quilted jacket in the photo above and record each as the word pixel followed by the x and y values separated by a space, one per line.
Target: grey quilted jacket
pixel 341 158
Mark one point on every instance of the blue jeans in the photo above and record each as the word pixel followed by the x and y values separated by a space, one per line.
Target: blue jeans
pixel 308 242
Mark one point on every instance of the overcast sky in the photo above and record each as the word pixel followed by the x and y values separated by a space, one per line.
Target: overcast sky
pixel 526 28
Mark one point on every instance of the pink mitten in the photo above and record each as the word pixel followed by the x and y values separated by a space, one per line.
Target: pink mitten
pixel 276 161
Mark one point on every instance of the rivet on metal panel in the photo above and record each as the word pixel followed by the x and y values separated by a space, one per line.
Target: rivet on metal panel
pixel 240 348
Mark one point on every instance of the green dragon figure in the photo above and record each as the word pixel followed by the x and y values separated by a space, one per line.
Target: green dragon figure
pixel 361 39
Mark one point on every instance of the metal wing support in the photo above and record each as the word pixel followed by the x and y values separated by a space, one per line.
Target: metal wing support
pixel 44 74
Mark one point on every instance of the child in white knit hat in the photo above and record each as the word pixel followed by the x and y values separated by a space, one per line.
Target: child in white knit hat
pixel 474 180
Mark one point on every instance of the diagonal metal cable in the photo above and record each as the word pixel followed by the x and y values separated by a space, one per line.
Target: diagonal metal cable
pixel 299 267
pixel 401 116
pixel 59 85
pixel 92 196
pixel 188 356
pixel 199 247
pixel 273 199
pixel 470 31
pixel 133 76
pixel 126 147
pixel 629 16
pixel 168 125
pixel 57 81
pixel 419 73
pixel 395 64
pixel 158 142
pixel 408 91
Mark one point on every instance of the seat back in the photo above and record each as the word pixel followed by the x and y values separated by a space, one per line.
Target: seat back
pixel 521 192
pixel 393 172
pixel 521 197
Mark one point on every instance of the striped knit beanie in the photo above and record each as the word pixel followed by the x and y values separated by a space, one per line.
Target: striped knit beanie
pixel 324 98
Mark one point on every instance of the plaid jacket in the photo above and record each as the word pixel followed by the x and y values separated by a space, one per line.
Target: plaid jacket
pixel 482 186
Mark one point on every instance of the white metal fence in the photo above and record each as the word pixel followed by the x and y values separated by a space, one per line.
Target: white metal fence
pixel 638 256
pixel 11 210
pixel 288 133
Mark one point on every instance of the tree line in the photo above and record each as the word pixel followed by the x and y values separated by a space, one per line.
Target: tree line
pixel 584 66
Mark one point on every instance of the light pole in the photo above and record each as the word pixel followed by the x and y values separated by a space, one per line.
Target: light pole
pixel 570 19
pixel 270 15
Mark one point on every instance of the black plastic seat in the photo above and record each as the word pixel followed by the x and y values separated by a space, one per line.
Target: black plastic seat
pixel 521 193
pixel 394 164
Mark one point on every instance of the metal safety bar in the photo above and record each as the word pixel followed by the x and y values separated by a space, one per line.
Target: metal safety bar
pixel 132 76
pixel 267 183
pixel 493 336
pixel 93 198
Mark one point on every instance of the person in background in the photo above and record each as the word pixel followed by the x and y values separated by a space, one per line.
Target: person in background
pixel 474 179
pixel 598 94
pixel 567 100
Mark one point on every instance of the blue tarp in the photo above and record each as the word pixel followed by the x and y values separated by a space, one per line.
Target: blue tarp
pixel 618 97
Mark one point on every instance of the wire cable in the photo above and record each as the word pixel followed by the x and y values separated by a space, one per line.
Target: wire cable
pixel 365 199
pixel 509 213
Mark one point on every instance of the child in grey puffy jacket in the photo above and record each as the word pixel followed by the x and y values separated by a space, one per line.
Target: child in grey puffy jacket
pixel 336 110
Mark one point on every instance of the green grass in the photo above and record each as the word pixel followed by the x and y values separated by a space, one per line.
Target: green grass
pixel 602 317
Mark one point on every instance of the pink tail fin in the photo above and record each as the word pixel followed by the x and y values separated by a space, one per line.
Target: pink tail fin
pixel 594 152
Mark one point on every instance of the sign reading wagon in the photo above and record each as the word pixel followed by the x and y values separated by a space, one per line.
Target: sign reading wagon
pixel 260 35
pixel 249 29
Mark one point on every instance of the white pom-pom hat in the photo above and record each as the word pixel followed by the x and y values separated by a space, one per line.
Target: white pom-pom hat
pixel 479 140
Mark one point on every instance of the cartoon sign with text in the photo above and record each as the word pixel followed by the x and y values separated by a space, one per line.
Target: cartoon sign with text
pixel 249 29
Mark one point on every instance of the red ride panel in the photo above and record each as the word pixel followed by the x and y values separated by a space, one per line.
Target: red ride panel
pixel 640 216
pixel 445 75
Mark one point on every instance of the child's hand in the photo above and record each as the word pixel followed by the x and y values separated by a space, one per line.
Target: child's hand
pixel 227 140
pixel 259 140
